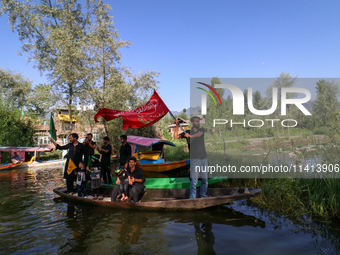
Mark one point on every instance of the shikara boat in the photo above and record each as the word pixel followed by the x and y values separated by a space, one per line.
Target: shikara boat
pixel 167 199
pixel 153 161
pixel 29 161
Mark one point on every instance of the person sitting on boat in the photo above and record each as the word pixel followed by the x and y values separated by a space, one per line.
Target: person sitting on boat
pixel 16 158
pixel 125 180
pixel 198 156
pixel 125 151
pixel 136 188
pixel 81 179
pixel 75 154
pixel 96 177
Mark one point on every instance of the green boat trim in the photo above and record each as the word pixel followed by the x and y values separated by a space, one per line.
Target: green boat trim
pixel 168 183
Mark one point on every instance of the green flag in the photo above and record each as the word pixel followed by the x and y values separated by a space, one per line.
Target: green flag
pixel 53 131
pixel 89 163
pixel 22 113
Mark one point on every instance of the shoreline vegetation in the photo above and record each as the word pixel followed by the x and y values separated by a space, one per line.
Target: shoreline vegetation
pixel 295 198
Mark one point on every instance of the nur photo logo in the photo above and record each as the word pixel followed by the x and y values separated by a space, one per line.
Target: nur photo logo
pixel 239 103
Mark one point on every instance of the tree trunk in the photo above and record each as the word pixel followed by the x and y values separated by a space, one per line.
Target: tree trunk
pixel 70 113
pixel 106 130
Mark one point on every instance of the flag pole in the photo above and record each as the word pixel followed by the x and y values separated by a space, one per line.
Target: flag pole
pixel 178 122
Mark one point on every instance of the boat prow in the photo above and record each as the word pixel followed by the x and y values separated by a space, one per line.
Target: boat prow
pixel 34 164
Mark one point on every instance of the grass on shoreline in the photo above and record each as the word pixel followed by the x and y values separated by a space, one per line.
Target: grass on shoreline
pixel 295 198
pixel 319 198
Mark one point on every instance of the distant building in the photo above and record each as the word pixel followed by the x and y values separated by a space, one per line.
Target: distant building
pixel 85 107
pixel 62 124
pixel 172 127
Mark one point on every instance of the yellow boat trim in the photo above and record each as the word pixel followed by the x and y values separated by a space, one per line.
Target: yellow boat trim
pixel 161 167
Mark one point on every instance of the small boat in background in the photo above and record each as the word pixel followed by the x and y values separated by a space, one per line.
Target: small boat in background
pixel 29 161
pixel 153 161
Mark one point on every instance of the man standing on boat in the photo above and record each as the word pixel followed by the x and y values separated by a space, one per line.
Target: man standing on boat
pixel 76 151
pixel 198 156
pixel 90 145
pixel 106 151
pixel 125 151
pixel 137 182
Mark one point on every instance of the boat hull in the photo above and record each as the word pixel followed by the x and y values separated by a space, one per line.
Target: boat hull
pixel 168 199
pixel 163 167
pixel 34 164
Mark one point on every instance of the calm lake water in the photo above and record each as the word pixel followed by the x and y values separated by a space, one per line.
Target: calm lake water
pixel 34 221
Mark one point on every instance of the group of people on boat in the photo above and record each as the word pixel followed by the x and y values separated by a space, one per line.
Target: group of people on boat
pixel 77 169
pixel 130 181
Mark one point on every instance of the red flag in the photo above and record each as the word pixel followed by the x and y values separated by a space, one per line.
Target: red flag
pixel 143 116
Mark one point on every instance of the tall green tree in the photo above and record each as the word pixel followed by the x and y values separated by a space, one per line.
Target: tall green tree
pixel 62 39
pixel 217 111
pixel 245 96
pixel 41 100
pixel 18 88
pixel 78 47
pixel 326 104
pixel 285 80
pixel 15 87
pixel 15 130
pixel 183 115
pixel 257 100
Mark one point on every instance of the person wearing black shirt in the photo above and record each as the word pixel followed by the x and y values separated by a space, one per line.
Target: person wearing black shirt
pixel 106 151
pixel 198 157
pixel 75 154
pixel 125 151
pixel 90 145
pixel 136 188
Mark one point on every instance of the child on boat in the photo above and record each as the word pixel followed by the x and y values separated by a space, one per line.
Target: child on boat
pixel 81 179
pixel 96 178
pixel 125 180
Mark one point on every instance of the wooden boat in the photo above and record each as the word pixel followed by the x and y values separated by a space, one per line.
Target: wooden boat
pixel 153 161
pixel 28 160
pixel 168 199
pixel 168 183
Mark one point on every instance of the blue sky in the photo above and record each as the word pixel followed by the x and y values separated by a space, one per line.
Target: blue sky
pixel 202 39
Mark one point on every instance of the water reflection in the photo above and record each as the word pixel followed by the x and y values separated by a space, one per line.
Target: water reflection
pixel 123 231
pixel 33 220
pixel 205 238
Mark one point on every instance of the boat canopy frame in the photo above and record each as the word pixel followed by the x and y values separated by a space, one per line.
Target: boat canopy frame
pixel 148 142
